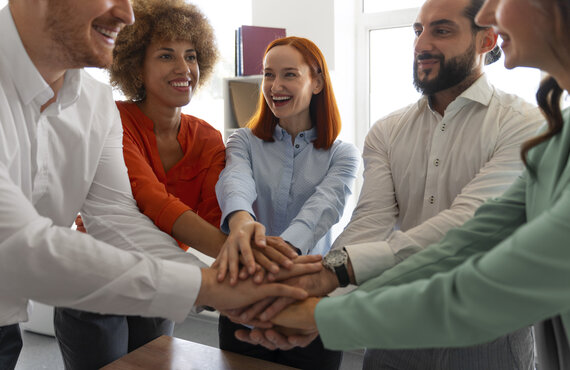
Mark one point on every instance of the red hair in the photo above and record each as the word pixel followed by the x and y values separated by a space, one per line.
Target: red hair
pixel 323 109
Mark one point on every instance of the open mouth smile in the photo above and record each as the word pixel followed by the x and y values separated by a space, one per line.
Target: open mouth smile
pixel 281 100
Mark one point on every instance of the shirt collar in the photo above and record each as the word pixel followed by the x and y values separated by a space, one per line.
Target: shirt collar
pixel 308 136
pixel 28 81
pixel 481 91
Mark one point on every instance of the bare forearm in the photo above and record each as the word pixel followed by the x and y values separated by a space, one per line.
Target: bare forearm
pixel 197 233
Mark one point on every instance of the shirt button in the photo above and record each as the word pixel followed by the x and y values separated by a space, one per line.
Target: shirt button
pixel 302 135
pixel 436 162
pixel 443 127
pixel 431 199
pixel 297 146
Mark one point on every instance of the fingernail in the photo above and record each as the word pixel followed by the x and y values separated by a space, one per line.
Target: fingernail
pixel 263 317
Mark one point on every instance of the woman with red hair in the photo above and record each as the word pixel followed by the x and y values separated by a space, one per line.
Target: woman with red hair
pixel 286 175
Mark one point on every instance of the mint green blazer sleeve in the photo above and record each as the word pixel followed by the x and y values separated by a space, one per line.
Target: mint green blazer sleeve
pixel 512 276
pixel 496 219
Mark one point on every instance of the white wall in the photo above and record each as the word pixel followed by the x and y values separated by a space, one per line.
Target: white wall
pixel 312 19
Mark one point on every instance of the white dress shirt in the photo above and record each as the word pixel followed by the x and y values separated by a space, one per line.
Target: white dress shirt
pixel 59 162
pixel 425 174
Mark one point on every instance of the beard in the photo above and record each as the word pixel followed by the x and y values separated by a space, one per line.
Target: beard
pixel 451 72
pixel 72 44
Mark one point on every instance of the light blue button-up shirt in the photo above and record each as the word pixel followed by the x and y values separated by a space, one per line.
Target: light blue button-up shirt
pixel 296 191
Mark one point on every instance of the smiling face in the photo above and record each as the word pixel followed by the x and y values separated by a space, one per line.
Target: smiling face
pixel 288 86
pixel 170 73
pixel 445 48
pixel 525 29
pixel 84 32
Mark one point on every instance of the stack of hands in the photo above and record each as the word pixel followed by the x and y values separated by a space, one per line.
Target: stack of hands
pixel 284 317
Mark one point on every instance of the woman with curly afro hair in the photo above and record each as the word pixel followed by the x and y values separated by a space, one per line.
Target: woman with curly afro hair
pixel 173 160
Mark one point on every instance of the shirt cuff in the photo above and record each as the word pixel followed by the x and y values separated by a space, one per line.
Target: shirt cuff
pixel 170 214
pixel 300 236
pixel 173 299
pixel 369 260
pixel 233 205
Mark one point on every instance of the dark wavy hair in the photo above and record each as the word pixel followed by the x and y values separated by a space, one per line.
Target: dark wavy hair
pixel 171 20
pixel 549 93
pixel 323 108
pixel 470 12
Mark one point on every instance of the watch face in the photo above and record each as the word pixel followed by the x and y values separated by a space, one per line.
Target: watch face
pixel 335 258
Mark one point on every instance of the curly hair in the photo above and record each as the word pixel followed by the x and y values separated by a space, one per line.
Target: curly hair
pixel 172 20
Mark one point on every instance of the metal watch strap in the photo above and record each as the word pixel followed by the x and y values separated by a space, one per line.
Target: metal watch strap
pixel 342 275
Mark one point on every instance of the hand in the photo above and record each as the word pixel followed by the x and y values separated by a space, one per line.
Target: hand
pixel 224 296
pixel 247 234
pixel 238 246
pixel 304 266
pixel 299 315
pixel 316 284
pixel 276 338
pixel 277 252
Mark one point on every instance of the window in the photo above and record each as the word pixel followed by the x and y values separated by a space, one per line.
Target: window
pixel 387 39
pixel 375 6
pixel 391 58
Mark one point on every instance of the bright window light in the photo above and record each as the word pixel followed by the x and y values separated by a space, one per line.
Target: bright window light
pixel 376 6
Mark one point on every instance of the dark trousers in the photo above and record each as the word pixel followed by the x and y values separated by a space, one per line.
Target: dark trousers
pixel 314 356
pixel 10 346
pixel 553 350
pixel 514 351
pixel 89 340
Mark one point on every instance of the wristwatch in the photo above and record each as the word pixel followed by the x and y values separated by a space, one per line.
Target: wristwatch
pixel 336 261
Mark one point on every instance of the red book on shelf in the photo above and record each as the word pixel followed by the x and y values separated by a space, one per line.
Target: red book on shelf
pixel 253 42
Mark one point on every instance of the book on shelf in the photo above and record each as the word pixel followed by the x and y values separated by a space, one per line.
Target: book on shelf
pixel 251 42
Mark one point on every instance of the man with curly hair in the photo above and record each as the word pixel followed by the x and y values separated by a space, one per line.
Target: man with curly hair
pixel 60 153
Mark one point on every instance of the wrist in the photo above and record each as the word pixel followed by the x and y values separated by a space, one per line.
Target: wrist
pixel 238 218
pixel 330 280
pixel 336 262
pixel 206 285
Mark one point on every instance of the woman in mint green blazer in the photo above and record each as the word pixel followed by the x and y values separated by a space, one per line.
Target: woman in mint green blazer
pixel 506 268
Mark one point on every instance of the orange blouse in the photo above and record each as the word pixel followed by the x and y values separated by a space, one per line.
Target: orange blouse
pixel 188 185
